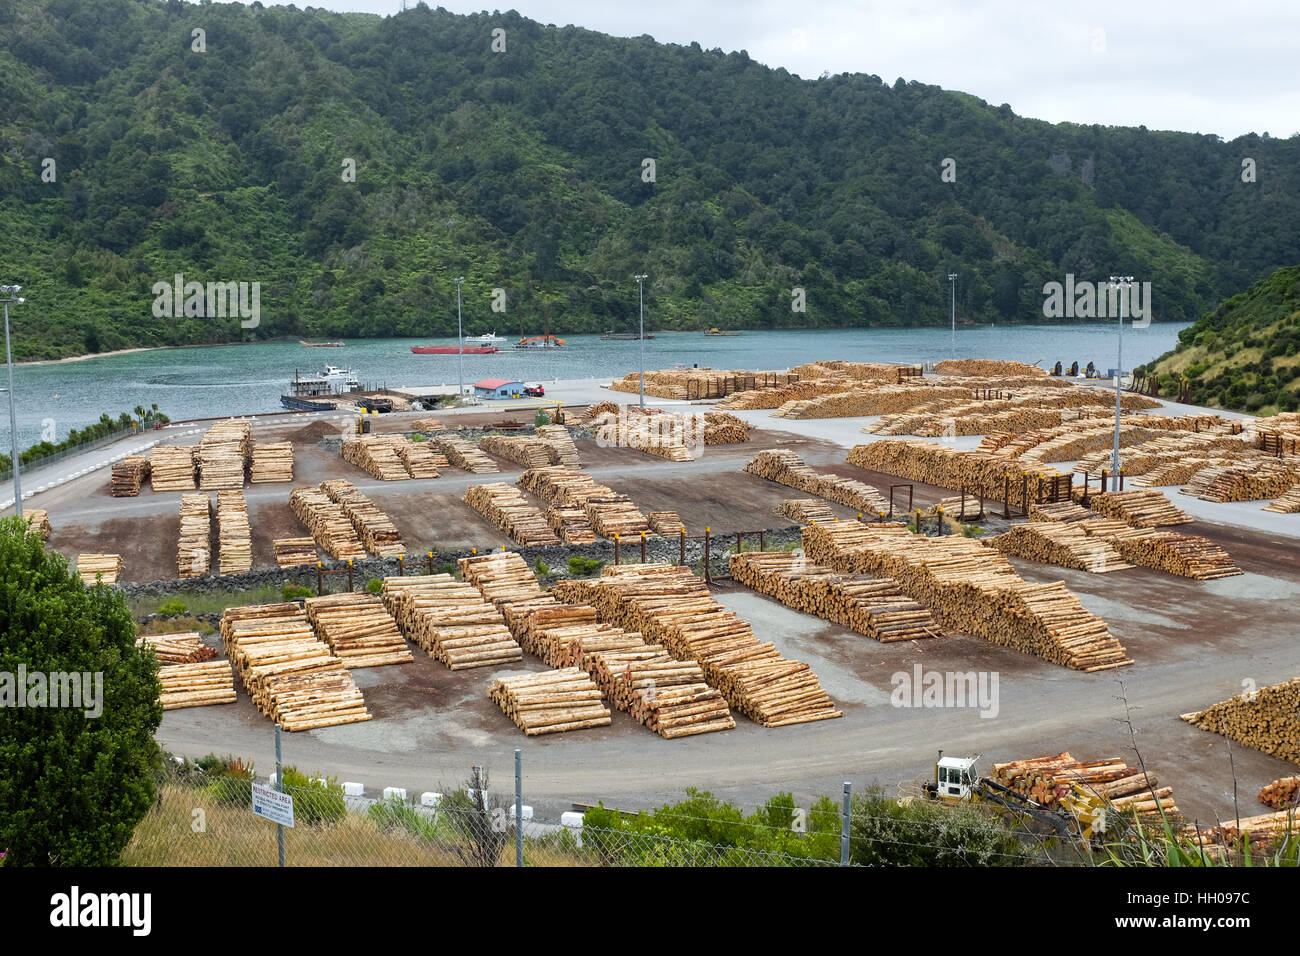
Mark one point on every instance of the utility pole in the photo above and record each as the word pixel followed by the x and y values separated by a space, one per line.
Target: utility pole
pixel 9 293
pixel 640 284
pixel 460 347
pixel 952 281
pixel 1122 283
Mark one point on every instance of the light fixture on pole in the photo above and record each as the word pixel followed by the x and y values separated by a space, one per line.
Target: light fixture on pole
pixel 9 293
pixel 460 347
pixel 640 284
pixel 1121 283
pixel 952 280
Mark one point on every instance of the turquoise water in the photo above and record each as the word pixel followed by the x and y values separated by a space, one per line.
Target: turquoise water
pixel 221 380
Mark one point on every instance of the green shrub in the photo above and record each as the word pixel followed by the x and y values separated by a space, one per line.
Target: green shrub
pixel 375 586
pixel 419 436
pixel 172 606
pixel 541 418
pixel 229 780
pixel 393 814
pixel 541 568
pixel 581 567
pixel 314 804
pixel 291 592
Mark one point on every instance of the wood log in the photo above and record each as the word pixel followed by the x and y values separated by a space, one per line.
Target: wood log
pixel 510 511
pixel 1268 720
pixel 1281 794
pixel 358 629
pixel 464 455
pixel 127 476
pixel 550 702
pixel 294 552
pixel 271 461
pixel 180 648
pixel 194 549
pixel 450 620
pixel 329 525
pixel 173 468
pixel 38 522
pixel 234 538
pixel 374 528
pixel 197 684
pixel 787 468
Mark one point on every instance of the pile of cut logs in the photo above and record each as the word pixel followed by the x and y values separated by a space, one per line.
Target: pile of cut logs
pixel 558 437
pixel 668 696
pixel 272 461
pixel 614 515
pixel 1141 507
pixel 972 589
pixel 1287 504
pixel 376 455
pixel 465 455
pixel 91 565
pixel 806 510
pixel 450 620
pixel 294 552
pixel 420 459
pixel 854 401
pixel 979 473
pixel 291 676
pixel 987 367
pixel 551 701
pixel 172 468
pixel 1281 794
pixel 196 685
pixel 427 425
pixel 233 535
pixel 327 522
pixel 194 549
pixel 358 629
pixel 871 606
pixel 787 468
pixel 665 522
pixel 570 523
pixel 1245 481
pixel 509 510
pixel 1268 720
pixel 561 486
pixel 1186 555
pixel 128 475
pixel 651 430
pixel 505 579
pixel 1045 780
pixel 1065 545
pixel 38 522
pixel 223 455
pixel 181 648
pixel 376 530
pixel 523 449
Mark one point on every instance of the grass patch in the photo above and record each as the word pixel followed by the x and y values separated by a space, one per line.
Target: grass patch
pixel 210 602
pixel 178 625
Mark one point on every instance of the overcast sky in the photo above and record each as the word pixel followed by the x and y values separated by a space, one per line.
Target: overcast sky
pixel 1223 68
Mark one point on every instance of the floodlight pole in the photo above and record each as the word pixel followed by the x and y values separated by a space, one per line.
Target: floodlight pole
pixel 1121 283
pixel 640 284
pixel 10 294
pixel 460 348
pixel 952 280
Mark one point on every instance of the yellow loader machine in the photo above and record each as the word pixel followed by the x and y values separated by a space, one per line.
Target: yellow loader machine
pixel 1079 814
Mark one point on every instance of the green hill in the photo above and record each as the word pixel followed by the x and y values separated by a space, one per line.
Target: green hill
pixel 1244 354
pixel 523 171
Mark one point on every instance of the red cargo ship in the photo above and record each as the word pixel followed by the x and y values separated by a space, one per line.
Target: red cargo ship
pixel 452 350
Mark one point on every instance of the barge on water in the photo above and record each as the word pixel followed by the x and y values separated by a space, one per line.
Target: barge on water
pixel 309 394
pixel 453 350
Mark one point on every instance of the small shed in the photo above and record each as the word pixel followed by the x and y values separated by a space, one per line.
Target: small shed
pixel 498 388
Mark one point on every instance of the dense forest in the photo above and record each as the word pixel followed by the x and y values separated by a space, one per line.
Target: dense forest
pixel 140 140
pixel 1246 353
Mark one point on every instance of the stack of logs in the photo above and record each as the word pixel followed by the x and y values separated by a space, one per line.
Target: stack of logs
pixel 665 522
pixel 505 579
pixel 427 425
pixel 987 367
pixel 358 629
pixel 38 523
pixel 180 648
pixel 272 461
pixel 980 473
pixel 450 620
pixel 172 468
pixel 420 459
pixel 1141 507
pixel 1245 481
pixel 375 529
pixel 523 449
pixel 1286 504
pixel 806 510
pixel 1046 780
pixel 1267 720
pixel 509 510
pixel 558 437
pixel 570 523
pixel 128 475
pixel 1282 794
pixel 194 549
pixel 233 535
pixel 327 522
pixel 972 589
pixel 551 701
pixel 294 552
pixel 465 455
pixel 1064 545
pixel 223 455
pixel 376 455
pixel 871 606
pixel 787 468
pixel 196 685
pixel 291 676
pixel 91 565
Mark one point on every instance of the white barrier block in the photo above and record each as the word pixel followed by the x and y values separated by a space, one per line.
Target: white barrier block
pixel 353 789
pixel 571 819
pixel 430 799
pixel 398 792
pixel 528 812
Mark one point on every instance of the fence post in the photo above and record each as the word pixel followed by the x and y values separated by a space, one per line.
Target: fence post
pixel 844 825
pixel 707 578
pixel 681 548
pixel 616 548
pixel 643 547
pixel 740 544
pixel 350 586
pixel 279 786
pixel 318 579
pixel 401 565
pixel 763 547
pixel 430 562
pixel 519 808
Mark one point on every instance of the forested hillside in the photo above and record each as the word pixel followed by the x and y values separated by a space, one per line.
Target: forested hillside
pixel 1246 353
pixel 523 170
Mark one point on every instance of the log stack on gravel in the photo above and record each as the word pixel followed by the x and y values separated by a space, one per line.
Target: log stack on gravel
pixel 874 607
pixel 128 474
pixel 555 634
pixel 972 589
pixel 327 522
pixel 692 383
pixel 976 472
pixel 465 456
pixel 1064 545
pixel 194 549
pixel 666 523
pixel 668 696
pixel 427 425
pixel 551 701
pixel 720 428
pixel 522 449
pixel 1282 794
pixel 185 647
pixel 450 620
pixel 223 455
pixel 1141 507
pixel 1186 555
pixel 89 566
pixel 196 685
pixel 561 486
pixel 294 552
pixel 1267 720
pixel 358 629
pixel 615 516
pixel 558 437
pixel 787 468
pixel 292 677
pixel 1047 780
pixel 376 455
pixel 420 459
pixel 38 522
pixel 806 510
pixel 272 461
pixel 374 528
pixel 1245 481
pixel 172 468
pixel 234 539
pixel 653 431
pixel 505 579
pixel 507 508
pixel 571 524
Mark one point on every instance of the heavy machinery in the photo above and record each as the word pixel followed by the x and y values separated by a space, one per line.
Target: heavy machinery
pixel 1079 814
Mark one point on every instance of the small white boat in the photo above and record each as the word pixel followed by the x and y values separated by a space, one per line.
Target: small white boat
pixel 340 376
pixel 491 338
